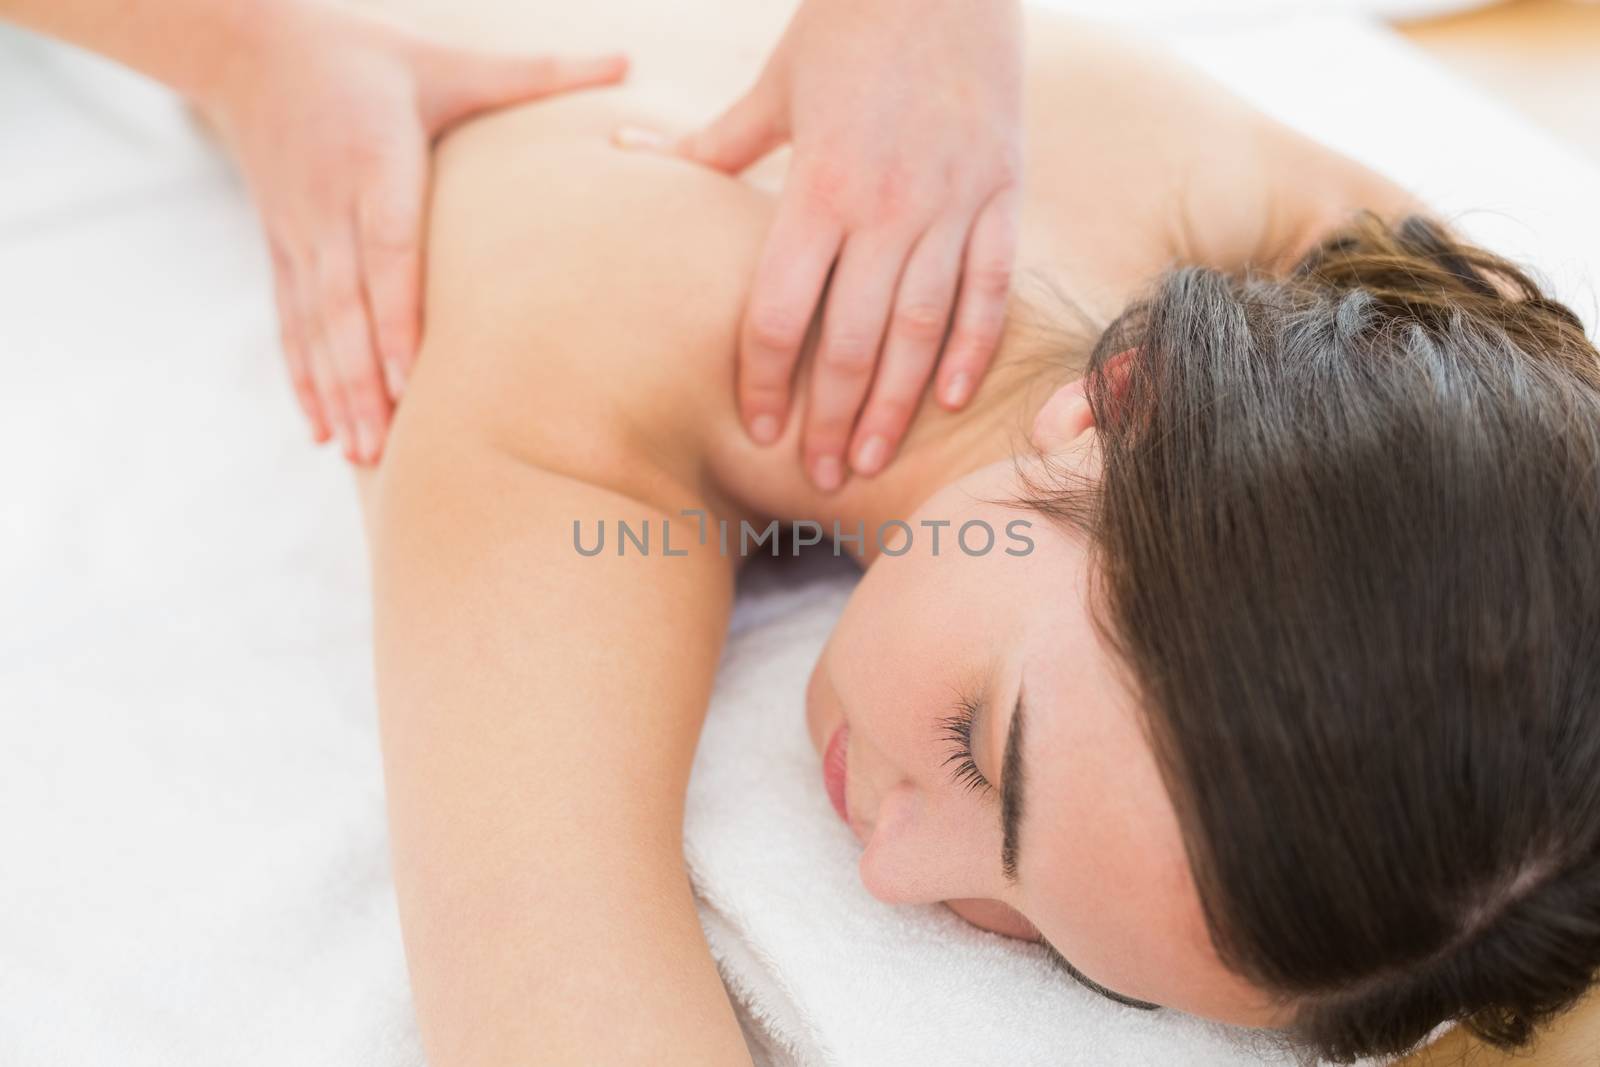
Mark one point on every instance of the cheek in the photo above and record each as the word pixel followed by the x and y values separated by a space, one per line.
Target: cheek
pixel 890 661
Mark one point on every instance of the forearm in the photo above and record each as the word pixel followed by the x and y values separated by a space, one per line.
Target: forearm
pixel 540 711
pixel 189 45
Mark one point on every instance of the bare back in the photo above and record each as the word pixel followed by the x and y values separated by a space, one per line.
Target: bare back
pixel 1134 163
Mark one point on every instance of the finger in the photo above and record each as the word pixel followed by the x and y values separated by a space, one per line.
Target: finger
pixel 464 82
pixel 981 308
pixel 295 352
pixel 324 372
pixel 794 265
pixel 916 330
pixel 744 133
pixel 852 333
pixel 342 319
pixel 390 232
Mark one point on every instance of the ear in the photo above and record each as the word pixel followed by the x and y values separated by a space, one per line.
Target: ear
pixel 1063 418
pixel 1066 414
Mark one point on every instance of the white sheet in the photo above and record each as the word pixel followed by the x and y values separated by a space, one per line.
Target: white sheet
pixel 192 855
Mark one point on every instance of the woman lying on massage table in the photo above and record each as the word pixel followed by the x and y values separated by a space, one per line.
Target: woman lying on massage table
pixel 1284 714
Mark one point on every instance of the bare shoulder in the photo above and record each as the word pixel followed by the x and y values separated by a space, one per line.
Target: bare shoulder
pixel 582 301
pixel 1156 162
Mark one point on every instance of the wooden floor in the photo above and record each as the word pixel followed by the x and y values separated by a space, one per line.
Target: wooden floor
pixel 1543 58
pixel 1540 56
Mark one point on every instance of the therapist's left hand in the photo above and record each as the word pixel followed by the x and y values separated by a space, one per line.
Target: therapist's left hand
pixel 330 116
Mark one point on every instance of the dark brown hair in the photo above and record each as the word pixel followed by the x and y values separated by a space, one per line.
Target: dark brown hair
pixel 1346 540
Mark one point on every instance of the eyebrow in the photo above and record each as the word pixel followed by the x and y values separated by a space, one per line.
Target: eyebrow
pixel 1012 779
pixel 1011 783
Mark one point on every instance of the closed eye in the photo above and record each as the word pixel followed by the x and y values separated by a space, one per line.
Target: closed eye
pixel 956 731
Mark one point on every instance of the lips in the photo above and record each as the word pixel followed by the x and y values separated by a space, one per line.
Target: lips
pixel 835 760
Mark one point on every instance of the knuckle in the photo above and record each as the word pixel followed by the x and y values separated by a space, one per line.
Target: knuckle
pixel 317 372
pixel 902 195
pixel 827 182
pixel 320 339
pixel 397 343
pixel 389 225
pixel 777 328
pixel 332 400
pixel 1005 170
pixel 762 397
pixel 848 353
pixel 991 277
pixel 826 434
pixel 364 404
pixel 369 147
pixel 345 310
pixel 970 344
pixel 920 322
pixel 891 411
pixel 363 386
pixel 891 193
pixel 337 295
pixel 394 324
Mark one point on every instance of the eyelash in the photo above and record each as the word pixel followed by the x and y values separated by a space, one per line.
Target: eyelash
pixel 956 731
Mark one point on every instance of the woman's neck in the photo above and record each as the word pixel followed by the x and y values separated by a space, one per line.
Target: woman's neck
pixel 942 447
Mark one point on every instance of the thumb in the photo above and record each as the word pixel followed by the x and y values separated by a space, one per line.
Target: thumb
pixel 454 84
pixel 744 133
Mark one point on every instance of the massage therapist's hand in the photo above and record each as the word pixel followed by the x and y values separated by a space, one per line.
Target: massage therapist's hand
pixel 330 116
pixel 905 118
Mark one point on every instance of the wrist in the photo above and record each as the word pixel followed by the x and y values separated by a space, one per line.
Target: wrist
pixel 234 46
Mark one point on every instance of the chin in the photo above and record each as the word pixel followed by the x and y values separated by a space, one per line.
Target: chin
pixel 995 917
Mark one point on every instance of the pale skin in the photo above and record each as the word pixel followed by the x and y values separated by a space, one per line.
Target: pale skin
pixel 329 115
pixel 540 709
pixel 906 122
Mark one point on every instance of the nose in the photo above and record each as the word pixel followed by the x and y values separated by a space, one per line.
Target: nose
pixel 920 851
pixel 889 869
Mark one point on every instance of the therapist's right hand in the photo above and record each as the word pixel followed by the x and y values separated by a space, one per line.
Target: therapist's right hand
pixel 330 116
pixel 898 219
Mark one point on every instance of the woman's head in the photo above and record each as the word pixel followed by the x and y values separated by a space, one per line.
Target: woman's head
pixel 1308 650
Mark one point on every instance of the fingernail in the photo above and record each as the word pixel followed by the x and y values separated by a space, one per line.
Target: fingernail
pixel 395 377
pixel 367 442
pixel 870 456
pixel 764 428
pixel 828 473
pixel 630 136
pixel 957 389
